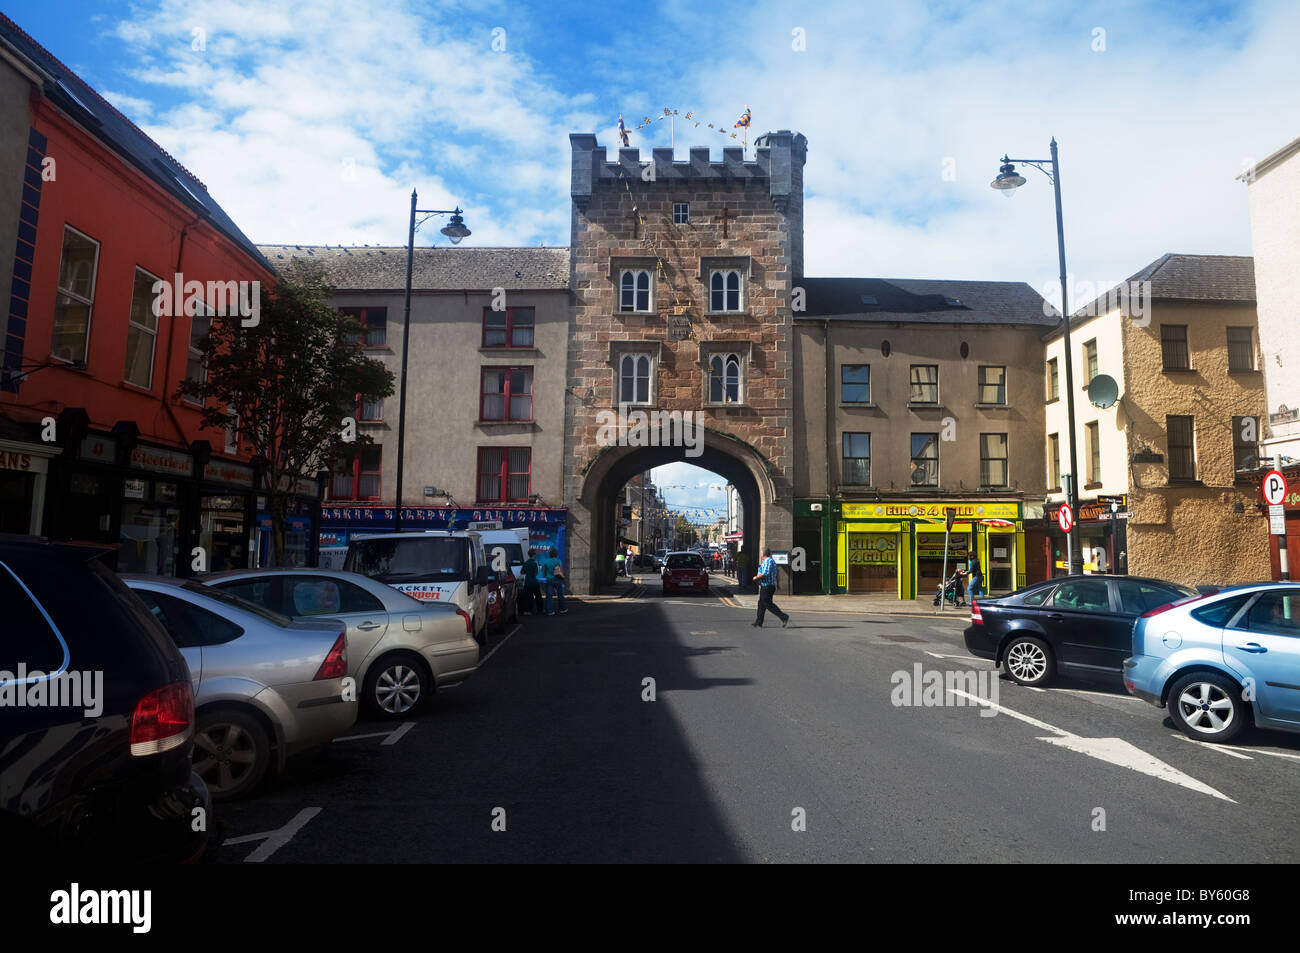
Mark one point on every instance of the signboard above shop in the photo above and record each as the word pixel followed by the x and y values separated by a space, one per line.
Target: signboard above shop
pixel 932 511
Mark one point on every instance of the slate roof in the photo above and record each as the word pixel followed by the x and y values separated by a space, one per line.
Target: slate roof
pixel 77 98
pixel 1227 279
pixel 917 300
pixel 383 268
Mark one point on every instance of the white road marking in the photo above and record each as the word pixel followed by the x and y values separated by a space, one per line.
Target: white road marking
pixel 1115 751
pixel 1276 754
pixel 483 661
pixel 397 734
pixel 964 658
pixel 274 840
pixel 373 734
pixel 1219 748
pixel 703 632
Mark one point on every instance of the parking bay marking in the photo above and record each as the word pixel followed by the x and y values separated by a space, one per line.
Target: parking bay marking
pixel 274 840
pixel 1115 751
pixel 390 737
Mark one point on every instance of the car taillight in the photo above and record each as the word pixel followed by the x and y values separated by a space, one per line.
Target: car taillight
pixel 469 623
pixel 1157 610
pixel 976 617
pixel 336 663
pixel 162 720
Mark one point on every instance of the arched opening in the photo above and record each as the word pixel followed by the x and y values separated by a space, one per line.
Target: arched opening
pixel 602 499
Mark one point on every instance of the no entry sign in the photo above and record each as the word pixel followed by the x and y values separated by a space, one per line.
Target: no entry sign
pixel 1065 517
pixel 1274 488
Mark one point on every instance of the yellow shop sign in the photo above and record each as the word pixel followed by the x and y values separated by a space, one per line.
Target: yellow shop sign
pixel 965 511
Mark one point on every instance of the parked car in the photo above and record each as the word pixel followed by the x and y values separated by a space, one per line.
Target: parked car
pixel 503 599
pixel 1216 661
pixel 643 562
pixel 1076 625
pixel 265 687
pixel 432 566
pixel 400 650
pixel 106 777
pixel 685 571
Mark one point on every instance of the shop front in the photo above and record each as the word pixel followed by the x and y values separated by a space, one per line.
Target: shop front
pixel 901 548
pixel 547 525
pixel 24 468
pixel 156 504
pixel 302 526
pixel 1102 536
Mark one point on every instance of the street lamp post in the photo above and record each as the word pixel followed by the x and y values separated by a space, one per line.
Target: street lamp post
pixel 455 230
pixel 1007 182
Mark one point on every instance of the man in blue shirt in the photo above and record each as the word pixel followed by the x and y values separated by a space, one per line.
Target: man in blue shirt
pixel 766 579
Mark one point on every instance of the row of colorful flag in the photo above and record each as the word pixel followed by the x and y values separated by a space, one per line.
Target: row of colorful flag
pixel 742 123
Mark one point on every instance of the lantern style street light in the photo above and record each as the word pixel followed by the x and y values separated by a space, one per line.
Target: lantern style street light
pixel 1007 182
pixel 455 231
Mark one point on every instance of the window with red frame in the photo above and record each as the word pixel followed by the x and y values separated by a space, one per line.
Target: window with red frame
pixel 512 327
pixel 504 474
pixel 360 478
pixel 374 326
pixel 506 393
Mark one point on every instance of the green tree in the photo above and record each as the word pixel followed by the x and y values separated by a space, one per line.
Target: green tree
pixel 686 534
pixel 291 384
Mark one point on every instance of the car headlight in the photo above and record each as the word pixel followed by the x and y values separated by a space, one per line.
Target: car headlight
pixel 492 597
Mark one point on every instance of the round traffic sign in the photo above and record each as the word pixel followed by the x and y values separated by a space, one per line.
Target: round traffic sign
pixel 1065 517
pixel 1274 488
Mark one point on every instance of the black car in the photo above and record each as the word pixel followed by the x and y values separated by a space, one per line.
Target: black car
pixel 1077 625
pixel 96 715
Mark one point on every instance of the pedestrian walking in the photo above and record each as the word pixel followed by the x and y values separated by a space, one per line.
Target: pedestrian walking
pixel 553 573
pixel 532 589
pixel 976 579
pixel 766 579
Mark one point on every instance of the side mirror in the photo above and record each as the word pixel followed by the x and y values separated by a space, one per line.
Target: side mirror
pixel 483 576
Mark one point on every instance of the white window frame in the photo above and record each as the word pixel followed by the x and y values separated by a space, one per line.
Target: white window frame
pixel 725 274
pixel 232 434
pixel 634 356
pixel 193 353
pixel 131 327
pixel 681 213
pixel 88 302
pixel 636 274
pixel 725 356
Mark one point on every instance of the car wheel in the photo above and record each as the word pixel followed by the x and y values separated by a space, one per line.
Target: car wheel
pixel 231 753
pixel 1207 706
pixel 1028 661
pixel 396 685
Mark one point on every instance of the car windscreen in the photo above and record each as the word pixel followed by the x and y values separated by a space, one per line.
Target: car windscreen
pixel 417 559
pixel 685 561
pixel 232 600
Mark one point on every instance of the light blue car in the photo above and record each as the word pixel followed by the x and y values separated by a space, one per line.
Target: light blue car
pixel 1219 660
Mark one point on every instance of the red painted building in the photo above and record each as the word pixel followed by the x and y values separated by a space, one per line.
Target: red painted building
pixel 94 442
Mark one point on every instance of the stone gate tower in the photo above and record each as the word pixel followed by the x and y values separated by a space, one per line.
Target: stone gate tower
pixel 681 276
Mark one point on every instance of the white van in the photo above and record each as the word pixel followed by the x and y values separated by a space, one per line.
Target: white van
pixel 512 542
pixel 432 566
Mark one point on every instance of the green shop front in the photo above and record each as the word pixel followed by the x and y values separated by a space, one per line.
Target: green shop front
pixel 900 548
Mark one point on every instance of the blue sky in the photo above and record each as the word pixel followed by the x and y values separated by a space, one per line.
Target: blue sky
pixel 311 121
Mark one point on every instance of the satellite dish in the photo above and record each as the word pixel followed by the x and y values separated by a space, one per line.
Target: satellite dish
pixel 1103 391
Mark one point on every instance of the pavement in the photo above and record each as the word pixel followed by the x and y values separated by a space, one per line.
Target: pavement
pixel 728 588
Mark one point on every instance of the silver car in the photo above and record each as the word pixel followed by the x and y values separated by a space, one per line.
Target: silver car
pixel 265 687
pixel 402 649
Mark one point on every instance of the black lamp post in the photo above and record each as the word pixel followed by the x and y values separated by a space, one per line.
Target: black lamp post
pixel 456 231
pixel 1007 182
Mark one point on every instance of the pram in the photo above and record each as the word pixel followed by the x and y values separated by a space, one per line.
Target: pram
pixel 953 591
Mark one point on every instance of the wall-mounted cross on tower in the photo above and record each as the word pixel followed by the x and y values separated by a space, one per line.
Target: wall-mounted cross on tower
pixel 724 218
